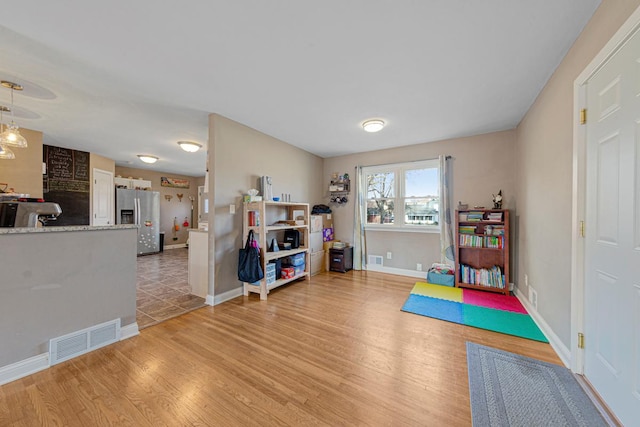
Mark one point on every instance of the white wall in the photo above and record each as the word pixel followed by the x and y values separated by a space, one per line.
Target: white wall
pixel 481 165
pixel 242 155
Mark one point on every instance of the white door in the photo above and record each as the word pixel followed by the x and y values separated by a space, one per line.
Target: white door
pixel 103 198
pixel 612 245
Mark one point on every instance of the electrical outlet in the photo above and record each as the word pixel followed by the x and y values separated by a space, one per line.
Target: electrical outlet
pixel 389 256
pixel 419 267
pixel 232 209
pixel 526 280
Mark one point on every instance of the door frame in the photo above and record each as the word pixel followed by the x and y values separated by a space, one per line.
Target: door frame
pixel 579 187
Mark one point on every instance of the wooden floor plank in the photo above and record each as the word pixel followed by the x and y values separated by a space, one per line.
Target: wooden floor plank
pixel 333 351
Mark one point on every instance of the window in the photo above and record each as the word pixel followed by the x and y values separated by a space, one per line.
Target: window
pixel 403 196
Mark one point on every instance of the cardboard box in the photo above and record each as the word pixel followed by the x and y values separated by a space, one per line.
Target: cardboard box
pixel 317 264
pixel 315 241
pixel 328 245
pixel 327 234
pixel 316 223
pixel 327 220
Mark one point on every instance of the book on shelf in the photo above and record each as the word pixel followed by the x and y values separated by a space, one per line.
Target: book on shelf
pixel 472 241
pixel 489 277
pixel 475 216
pixel 494 216
pixel 498 230
pixel 495 242
pixel 467 229
pixel 462 216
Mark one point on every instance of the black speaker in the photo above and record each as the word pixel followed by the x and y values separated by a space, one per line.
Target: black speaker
pixel 293 237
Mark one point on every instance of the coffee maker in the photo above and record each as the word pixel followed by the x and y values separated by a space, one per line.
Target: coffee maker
pixel 28 214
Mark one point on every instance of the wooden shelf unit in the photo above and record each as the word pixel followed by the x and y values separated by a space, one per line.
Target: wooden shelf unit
pixel 267 214
pixel 473 249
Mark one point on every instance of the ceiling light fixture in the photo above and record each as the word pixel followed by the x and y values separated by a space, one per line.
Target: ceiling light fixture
pixel 373 125
pixel 11 137
pixel 6 153
pixel 189 146
pixel 147 158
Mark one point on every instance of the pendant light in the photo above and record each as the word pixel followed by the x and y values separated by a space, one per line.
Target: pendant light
pixel 11 136
pixel 5 152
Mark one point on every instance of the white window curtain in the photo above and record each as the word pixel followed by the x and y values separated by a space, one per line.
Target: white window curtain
pixel 447 247
pixel 359 239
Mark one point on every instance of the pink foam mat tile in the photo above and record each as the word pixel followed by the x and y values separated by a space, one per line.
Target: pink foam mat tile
pixel 493 300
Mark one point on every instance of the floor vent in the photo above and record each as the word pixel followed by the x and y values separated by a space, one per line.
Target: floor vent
pixel 76 343
pixel 374 260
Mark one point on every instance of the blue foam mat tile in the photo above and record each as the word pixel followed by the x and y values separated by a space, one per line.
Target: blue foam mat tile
pixel 433 307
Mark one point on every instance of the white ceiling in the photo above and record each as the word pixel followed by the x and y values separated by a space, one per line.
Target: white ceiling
pixel 121 77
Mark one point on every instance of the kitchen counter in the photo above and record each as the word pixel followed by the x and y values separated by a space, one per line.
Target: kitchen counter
pixel 54 229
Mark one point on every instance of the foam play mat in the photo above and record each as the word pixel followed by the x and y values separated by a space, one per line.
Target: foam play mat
pixel 480 309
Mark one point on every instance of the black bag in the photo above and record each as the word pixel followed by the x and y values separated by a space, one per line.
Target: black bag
pixel 249 268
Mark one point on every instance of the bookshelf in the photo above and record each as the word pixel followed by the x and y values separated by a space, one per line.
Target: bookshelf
pixel 269 220
pixel 482 249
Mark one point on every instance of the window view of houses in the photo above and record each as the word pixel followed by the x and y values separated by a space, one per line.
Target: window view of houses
pixel 418 188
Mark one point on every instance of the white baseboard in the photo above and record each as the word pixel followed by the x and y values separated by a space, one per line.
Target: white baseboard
pixel 21 369
pixel 34 364
pixel 176 246
pixel 399 271
pixel 226 296
pixel 209 300
pixel 128 331
pixel 563 352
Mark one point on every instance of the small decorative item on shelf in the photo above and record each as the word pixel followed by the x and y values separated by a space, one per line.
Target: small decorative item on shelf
pixel 497 200
pixel 462 207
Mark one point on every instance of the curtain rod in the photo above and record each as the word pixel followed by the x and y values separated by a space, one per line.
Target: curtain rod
pixel 411 161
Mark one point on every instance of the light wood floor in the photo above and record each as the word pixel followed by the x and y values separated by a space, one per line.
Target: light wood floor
pixel 334 352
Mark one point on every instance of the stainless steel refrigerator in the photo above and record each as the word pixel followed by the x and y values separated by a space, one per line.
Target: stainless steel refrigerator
pixel 143 209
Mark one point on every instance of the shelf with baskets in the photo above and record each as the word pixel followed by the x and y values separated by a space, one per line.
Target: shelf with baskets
pixel 269 221
pixel 482 249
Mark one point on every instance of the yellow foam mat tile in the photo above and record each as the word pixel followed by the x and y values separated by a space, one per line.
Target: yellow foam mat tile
pixel 437 291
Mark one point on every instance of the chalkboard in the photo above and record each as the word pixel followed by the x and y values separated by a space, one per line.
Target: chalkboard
pixel 66 182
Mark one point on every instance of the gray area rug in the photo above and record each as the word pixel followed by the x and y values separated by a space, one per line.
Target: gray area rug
pixel 512 390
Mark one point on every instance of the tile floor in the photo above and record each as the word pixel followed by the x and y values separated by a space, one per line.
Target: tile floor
pixel 163 290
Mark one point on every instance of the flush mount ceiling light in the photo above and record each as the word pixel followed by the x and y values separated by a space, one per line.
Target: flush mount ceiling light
pixel 147 158
pixel 189 146
pixel 373 125
pixel 11 136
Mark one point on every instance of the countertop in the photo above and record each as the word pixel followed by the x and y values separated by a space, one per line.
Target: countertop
pixel 64 228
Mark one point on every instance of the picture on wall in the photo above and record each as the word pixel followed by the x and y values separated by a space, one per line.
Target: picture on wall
pixel 174 182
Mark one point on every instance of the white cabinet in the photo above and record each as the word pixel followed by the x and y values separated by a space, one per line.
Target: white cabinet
pixel 132 184
pixel 270 220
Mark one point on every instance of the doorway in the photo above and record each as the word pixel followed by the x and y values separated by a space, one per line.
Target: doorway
pixel 163 290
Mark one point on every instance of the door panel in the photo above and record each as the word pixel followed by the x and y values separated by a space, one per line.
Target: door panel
pixel 608 189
